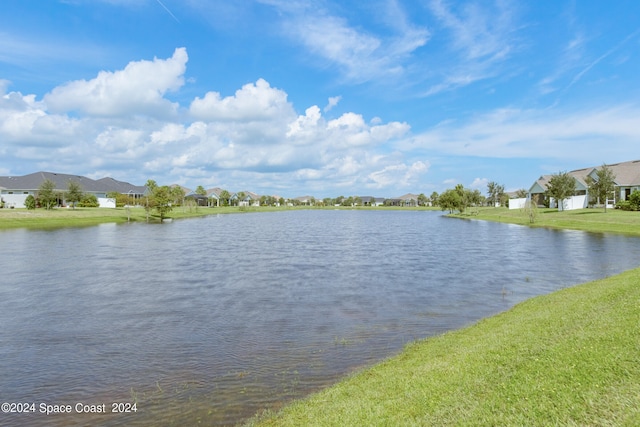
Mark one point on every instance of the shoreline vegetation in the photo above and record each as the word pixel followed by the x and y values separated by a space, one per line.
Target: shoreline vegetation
pixel 592 220
pixel 567 358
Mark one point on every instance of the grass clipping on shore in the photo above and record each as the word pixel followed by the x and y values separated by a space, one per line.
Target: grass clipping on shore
pixel 568 358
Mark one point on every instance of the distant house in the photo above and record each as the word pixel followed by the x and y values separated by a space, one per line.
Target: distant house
pixel 245 198
pixel 199 199
pixel 305 200
pixel 214 195
pixel 627 179
pixel 406 200
pixel 14 190
pixel 372 201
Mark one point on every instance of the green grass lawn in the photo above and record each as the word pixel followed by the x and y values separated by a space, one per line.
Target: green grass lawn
pixel 596 220
pixel 571 358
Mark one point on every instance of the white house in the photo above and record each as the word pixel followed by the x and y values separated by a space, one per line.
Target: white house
pixel 14 190
pixel 627 179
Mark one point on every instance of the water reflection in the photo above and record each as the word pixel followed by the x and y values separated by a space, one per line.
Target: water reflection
pixel 216 318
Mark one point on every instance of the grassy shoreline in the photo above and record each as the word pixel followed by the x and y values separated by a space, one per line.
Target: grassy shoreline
pixel 593 220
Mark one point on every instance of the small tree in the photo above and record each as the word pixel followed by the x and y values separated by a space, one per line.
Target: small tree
pixel 602 185
pixel 161 198
pixel 521 193
pixel 46 194
pixel 434 198
pixel 449 200
pixel 74 193
pixel 201 191
pixel 224 197
pixel 561 186
pixel 531 209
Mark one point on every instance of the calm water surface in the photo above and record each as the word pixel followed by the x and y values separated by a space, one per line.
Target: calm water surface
pixel 214 319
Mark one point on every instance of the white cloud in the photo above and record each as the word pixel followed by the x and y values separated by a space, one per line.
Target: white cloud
pixel 479 183
pixel 257 101
pixel 481 39
pixel 398 175
pixel 590 136
pixel 138 89
pixel 253 134
pixel 361 56
pixel 333 101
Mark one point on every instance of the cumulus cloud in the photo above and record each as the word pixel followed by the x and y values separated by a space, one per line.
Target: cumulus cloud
pixel 398 175
pixel 120 123
pixel 257 101
pixel 137 89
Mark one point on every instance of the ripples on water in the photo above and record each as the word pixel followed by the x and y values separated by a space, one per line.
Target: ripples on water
pixel 216 318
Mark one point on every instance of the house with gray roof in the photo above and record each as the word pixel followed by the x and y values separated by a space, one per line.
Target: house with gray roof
pixel 627 180
pixel 15 189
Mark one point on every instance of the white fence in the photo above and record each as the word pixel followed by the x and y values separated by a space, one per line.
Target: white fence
pixel 517 203
pixel 17 201
pixel 572 203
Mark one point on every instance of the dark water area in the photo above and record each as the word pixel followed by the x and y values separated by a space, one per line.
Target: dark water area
pixel 217 318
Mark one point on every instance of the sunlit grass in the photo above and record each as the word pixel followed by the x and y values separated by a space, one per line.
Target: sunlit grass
pixel 596 220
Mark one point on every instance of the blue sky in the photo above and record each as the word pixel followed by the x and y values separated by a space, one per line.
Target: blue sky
pixel 327 98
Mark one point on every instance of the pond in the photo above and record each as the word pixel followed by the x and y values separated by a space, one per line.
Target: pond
pixel 214 319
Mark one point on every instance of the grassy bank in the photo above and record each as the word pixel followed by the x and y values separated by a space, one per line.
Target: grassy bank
pixel 568 358
pixel 81 217
pixel 596 220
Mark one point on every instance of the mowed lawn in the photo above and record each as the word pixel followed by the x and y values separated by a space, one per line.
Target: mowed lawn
pixel 79 217
pixel 596 220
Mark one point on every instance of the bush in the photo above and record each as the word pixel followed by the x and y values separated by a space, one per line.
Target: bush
pixel 89 201
pixel 30 202
pixel 634 200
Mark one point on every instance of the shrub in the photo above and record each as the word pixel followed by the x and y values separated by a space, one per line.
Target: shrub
pixel 89 201
pixel 634 200
pixel 623 205
pixel 30 202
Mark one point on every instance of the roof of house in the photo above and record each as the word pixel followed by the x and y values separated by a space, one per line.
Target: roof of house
pixel 626 173
pixel 33 181
pixel 215 192
pixel 408 196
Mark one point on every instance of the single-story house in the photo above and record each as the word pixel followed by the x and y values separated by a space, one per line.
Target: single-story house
pixel 406 200
pixel 372 201
pixel 245 198
pixel 14 190
pixel 627 179
pixel 305 200
pixel 214 195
